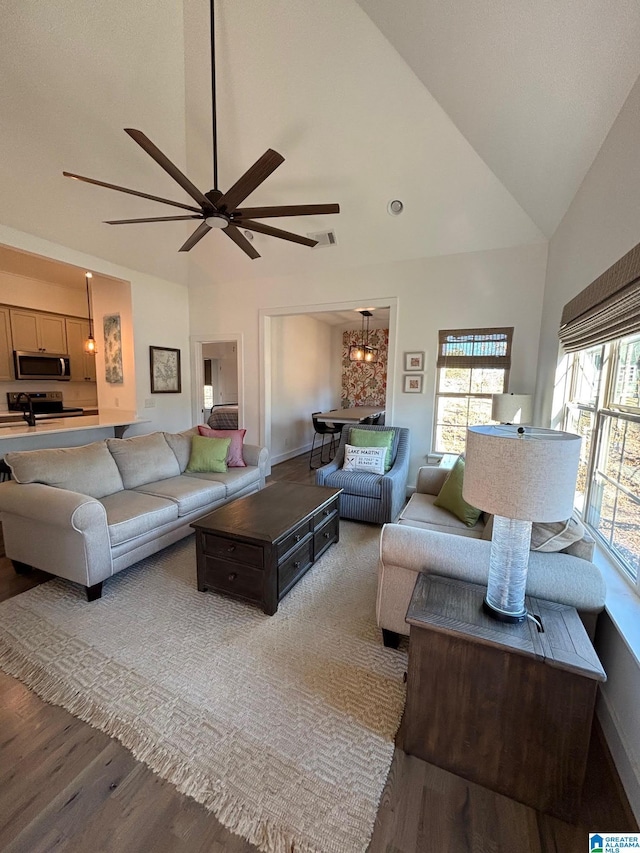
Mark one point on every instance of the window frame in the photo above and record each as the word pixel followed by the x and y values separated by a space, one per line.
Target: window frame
pixel 477 362
pixel 604 410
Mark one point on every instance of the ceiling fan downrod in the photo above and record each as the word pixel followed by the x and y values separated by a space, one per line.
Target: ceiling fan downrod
pixel 214 123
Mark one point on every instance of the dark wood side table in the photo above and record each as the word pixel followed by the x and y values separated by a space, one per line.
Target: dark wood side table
pixel 258 547
pixel 503 705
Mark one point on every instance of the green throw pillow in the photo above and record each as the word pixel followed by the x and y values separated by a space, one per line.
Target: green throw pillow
pixel 450 496
pixel 208 455
pixel 374 438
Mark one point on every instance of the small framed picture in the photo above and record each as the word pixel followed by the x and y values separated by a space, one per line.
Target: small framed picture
pixel 414 361
pixel 413 384
pixel 164 366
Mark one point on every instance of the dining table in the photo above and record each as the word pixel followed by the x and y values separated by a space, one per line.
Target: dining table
pixel 351 415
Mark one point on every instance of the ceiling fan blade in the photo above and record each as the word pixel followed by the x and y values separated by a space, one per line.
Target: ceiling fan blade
pixel 286 210
pixel 131 192
pixel 277 232
pixel 240 240
pixel 153 219
pixel 251 179
pixel 197 235
pixel 162 160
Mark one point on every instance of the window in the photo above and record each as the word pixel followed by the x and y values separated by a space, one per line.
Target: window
pixel 473 364
pixel 603 406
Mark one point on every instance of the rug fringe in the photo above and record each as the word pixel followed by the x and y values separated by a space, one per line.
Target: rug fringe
pixel 265 834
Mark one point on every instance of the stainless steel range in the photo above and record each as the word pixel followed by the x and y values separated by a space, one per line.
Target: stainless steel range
pixel 44 404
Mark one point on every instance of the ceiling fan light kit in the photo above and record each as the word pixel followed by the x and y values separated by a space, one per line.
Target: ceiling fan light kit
pixel 216 209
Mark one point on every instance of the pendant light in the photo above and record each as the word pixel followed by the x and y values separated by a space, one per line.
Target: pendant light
pixel 362 351
pixel 90 342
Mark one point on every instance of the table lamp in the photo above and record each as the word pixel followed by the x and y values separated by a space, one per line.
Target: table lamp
pixel 511 408
pixel 520 475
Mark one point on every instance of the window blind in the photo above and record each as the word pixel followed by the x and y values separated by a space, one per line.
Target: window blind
pixel 475 347
pixel 609 308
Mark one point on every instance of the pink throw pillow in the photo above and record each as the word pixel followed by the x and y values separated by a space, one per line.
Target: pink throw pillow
pixel 234 454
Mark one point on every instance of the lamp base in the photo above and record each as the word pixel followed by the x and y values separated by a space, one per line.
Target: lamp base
pixel 500 615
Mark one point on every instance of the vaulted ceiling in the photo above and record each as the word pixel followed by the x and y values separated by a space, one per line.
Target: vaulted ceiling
pixel 482 122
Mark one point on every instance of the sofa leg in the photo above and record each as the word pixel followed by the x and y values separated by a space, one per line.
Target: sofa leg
pixel 390 639
pixel 21 568
pixel 94 592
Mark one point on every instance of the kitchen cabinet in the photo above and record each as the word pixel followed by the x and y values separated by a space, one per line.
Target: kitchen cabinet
pixel 83 364
pixel 6 355
pixel 35 331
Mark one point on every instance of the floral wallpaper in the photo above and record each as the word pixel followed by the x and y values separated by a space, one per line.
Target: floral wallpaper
pixel 365 384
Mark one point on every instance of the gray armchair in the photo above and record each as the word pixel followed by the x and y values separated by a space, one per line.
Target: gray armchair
pixel 370 497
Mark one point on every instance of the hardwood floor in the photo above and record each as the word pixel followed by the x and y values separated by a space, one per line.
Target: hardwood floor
pixel 67 787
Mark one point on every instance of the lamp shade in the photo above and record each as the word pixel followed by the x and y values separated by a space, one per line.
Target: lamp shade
pixel 521 472
pixel 511 408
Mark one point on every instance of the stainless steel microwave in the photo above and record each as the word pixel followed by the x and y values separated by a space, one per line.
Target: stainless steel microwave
pixel 42 365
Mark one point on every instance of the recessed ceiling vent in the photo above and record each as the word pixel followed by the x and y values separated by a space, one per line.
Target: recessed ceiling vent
pixel 324 238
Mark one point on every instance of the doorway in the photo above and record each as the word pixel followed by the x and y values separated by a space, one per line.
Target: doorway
pixel 217 378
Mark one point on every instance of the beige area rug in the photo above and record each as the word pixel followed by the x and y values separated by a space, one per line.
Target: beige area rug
pixel 282 726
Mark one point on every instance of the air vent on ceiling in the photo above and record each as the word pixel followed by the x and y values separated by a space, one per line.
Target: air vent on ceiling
pixel 324 238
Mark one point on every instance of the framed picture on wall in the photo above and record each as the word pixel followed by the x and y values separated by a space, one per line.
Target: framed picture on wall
pixel 413 383
pixel 414 361
pixel 164 366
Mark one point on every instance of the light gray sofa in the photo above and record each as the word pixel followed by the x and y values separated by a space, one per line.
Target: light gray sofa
pixel 430 539
pixel 85 513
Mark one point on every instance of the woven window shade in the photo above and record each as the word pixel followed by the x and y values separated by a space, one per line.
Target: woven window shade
pixel 475 348
pixel 609 308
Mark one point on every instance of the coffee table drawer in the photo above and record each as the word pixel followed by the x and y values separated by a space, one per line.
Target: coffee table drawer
pixel 322 515
pixel 225 576
pixel 295 565
pixel 326 536
pixel 295 536
pixel 227 549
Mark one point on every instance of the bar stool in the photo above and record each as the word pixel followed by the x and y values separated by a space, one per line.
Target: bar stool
pixel 322 430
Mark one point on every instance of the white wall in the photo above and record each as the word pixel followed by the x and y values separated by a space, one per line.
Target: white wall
pixel 42 295
pixel 601 225
pixel 499 287
pixel 160 317
pixel 301 382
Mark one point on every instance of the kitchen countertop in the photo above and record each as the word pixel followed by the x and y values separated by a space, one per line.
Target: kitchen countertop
pixel 21 429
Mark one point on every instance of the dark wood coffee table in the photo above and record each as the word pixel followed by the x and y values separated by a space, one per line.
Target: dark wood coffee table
pixel 258 547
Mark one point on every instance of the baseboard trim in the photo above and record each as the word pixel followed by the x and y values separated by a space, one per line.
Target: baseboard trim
pixel 290 454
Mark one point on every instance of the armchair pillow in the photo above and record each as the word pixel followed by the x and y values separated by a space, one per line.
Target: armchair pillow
pixel 368 459
pixel 450 496
pixel 555 535
pixel 374 438
pixel 208 455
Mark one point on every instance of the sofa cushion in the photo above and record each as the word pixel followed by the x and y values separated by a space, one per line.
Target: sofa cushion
pixel 89 470
pixel 450 496
pixel 180 443
pixel 131 514
pixel 143 459
pixel 235 479
pixel 556 535
pixel 387 438
pixel 234 458
pixel 187 493
pixel 422 511
pixel 208 455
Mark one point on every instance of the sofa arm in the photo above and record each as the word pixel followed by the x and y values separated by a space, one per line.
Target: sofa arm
pixel 256 456
pixel 56 530
pixel 405 551
pixel 431 479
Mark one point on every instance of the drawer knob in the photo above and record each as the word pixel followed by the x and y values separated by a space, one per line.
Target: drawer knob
pixel 297 537
pixel 297 564
pixel 327 535
pixel 233 576
pixel 327 512
pixel 230 549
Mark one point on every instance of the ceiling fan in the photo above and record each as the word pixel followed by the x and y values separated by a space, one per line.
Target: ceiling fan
pixel 215 208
